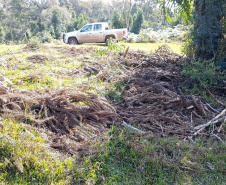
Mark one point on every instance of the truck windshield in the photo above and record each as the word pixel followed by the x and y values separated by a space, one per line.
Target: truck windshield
pixel 86 28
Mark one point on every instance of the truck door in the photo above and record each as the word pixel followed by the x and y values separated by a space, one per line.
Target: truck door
pixel 97 35
pixel 85 34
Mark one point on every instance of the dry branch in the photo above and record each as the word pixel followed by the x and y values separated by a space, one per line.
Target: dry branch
pixel 75 115
pixel 215 120
pixel 132 128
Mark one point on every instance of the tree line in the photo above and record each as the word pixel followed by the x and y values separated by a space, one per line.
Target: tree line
pixel 45 19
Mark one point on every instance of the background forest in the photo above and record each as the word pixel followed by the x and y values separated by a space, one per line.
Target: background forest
pixel 22 19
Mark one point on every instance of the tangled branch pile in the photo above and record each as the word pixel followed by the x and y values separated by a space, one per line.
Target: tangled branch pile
pixel 66 115
pixel 37 58
pixel 153 101
pixel 70 118
pixel 163 55
pixel 167 54
pixel 73 51
pixel 31 47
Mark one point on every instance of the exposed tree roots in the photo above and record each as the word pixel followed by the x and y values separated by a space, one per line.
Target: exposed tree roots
pixel 70 117
pixel 154 102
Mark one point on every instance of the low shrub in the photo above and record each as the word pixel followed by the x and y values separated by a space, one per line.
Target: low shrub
pixel 178 33
pixel 113 46
pixel 202 74
pixel 34 42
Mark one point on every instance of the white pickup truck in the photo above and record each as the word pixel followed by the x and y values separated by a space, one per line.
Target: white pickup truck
pixel 94 33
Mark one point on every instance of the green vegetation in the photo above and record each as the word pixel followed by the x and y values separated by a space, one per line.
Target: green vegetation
pixel 122 158
pixel 56 21
pixel 152 47
pixel 137 22
pixel 20 20
pixel 116 21
pixel 130 159
pixel 206 71
pixel 77 23
pixel 25 159
pixel 113 46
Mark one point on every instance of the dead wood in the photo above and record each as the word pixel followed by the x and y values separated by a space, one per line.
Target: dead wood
pixel 153 103
pixel 215 120
pixel 71 115
pixel 37 58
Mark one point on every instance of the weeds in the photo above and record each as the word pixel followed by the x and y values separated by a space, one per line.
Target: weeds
pixel 131 159
pixel 202 74
pixel 206 71
pixel 123 158
pixel 33 43
pixel 115 93
pixel 113 46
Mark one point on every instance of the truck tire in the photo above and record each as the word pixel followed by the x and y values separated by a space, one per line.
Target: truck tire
pixel 72 41
pixel 108 39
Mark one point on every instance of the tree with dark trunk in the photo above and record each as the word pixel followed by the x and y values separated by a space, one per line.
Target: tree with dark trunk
pixel 207 33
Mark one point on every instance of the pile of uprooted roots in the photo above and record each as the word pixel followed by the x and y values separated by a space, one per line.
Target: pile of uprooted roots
pixel 70 118
pixel 154 102
pixel 37 58
pixel 163 56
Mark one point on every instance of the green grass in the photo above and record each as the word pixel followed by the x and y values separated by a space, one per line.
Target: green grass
pixel 24 158
pixel 121 158
pixel 130 159
pixel 147 47
pixel 152 47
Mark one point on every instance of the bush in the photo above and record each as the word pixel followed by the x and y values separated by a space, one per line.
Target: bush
pixel 113 46
pixel 178 33
pixel 189 48
pixel 45 37
pixel 205 71
pixel 137 23
pixel 145 37
pixel 34 42
pixel 116 21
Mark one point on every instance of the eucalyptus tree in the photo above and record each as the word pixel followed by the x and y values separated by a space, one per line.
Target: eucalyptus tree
pixel 124 7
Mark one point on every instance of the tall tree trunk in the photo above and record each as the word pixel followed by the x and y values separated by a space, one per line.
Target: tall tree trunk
pixel 207 27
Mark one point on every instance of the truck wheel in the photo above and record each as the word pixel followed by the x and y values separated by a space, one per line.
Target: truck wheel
pixel 72 41
pixel 108 39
